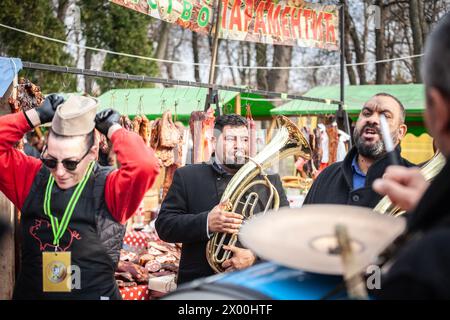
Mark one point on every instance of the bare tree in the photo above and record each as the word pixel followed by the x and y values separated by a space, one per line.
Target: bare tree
pixel 163 40
pixel 261 61
pixel 417 34
pixel 63 6
pixel 358 44
pixel 196 56
pixel 278 79
pixel 380 43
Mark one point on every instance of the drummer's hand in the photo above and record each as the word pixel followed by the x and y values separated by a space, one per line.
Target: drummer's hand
pixel 404 186
pixel 242 258
pixel 220 220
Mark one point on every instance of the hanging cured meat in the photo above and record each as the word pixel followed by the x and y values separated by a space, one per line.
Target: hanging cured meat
pixel 333 136
pixel 177 157
pixel 29 96
pixel 178 152
pixel 317 150
pixel 126 123
pixel 169 134
pixel 144 130
pixel 202 129
pixel 137 124
pixel 251 125
pixel 170 171
pixel 167 139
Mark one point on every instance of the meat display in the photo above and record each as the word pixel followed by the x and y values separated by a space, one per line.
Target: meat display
pixel 138 264
pixel 137 272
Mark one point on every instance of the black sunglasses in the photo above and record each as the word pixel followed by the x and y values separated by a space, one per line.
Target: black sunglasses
pixel 70 165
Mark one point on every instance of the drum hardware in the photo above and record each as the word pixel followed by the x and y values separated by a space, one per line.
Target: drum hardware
pixel 356 288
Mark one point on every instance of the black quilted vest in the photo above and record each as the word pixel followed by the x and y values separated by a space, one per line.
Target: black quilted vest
pixel 93 237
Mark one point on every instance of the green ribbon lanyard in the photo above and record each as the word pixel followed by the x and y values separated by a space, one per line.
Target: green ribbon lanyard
pixel 59 228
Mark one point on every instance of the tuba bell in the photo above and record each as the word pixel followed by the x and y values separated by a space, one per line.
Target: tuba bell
pixel 287 142
pixel 429 171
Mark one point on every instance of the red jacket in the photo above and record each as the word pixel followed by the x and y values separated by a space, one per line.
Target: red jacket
pixel 124 189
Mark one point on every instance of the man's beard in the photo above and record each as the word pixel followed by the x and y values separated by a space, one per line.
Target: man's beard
pixel 371 150
pixel 237 163
pixel 234 166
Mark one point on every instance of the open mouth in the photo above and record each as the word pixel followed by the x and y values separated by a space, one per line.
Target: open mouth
pixel 370 133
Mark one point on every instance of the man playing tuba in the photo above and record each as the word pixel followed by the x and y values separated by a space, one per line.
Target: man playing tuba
pixel 191 212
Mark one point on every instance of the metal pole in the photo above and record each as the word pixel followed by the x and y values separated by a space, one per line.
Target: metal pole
pixel 141 78
pixel 212 97
pixel 341 111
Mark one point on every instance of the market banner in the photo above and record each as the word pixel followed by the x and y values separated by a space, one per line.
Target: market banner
pixel 278 22
pixel 195 15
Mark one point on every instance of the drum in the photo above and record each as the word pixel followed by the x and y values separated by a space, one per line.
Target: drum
pixel 263 281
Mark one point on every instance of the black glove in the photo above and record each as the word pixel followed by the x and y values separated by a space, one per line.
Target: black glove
pixel 47 110
pixel 106 119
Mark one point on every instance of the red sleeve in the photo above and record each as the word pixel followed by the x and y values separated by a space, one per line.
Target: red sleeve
pixel 17 170
pixel 125 188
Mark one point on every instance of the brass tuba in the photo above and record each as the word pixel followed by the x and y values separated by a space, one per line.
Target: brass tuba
pixel 429 171
pixel 287 142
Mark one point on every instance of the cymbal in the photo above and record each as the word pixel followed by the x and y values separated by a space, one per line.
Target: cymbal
pixel 305 239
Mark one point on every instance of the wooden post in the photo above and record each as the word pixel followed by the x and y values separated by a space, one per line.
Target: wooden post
pixel 213 94
pixel 7 252
pixel 11 91
pixel 7 214
pixel 237 107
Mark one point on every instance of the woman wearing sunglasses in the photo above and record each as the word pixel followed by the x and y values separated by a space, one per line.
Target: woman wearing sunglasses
pixel 73 209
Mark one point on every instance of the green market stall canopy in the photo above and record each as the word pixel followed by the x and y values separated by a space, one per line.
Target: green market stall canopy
pixel 411 95
pixel 180 101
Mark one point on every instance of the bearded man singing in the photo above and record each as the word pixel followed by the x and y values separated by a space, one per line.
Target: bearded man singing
pixel 349 182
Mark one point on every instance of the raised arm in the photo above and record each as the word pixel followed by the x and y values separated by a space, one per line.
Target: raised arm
pixel 17 170
pixel 125 188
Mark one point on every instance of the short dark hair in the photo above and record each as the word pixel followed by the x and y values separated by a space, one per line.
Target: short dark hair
pixel 230 119
pixel 89 138
pixel 436 67
pixel 400 104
